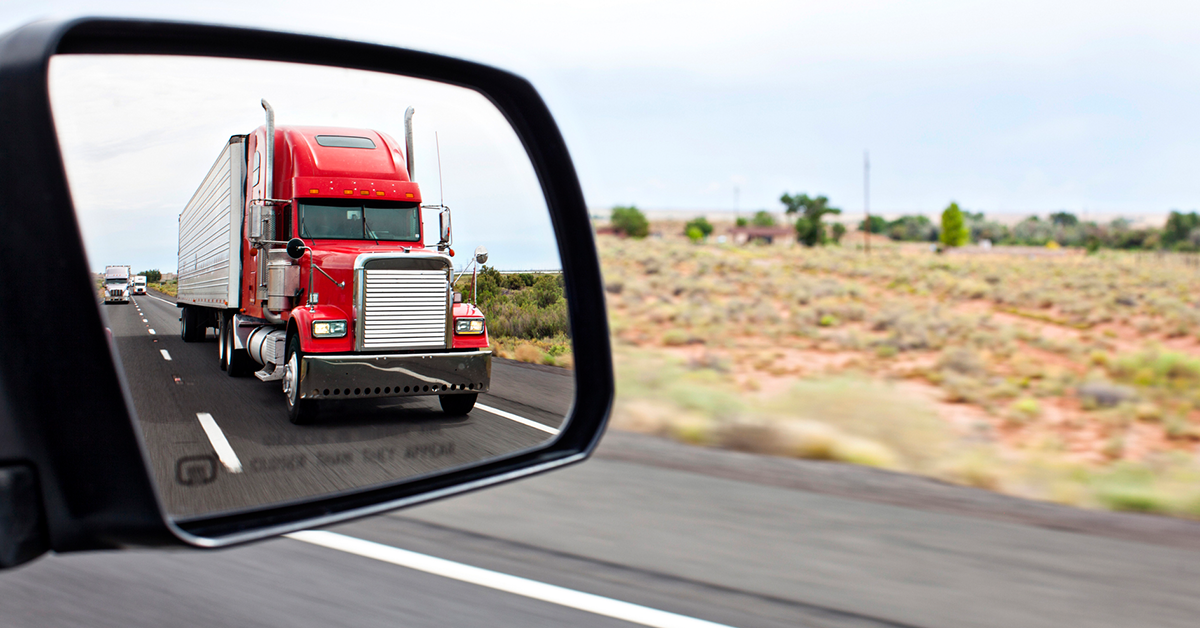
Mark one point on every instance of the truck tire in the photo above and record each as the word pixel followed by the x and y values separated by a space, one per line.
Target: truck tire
pixel 235 362
pixel 191 329
pixel 457 404
pixel 300 411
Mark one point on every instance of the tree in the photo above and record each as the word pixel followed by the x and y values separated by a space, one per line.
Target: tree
pixel 1064 219
pixel 875 224
pixel 839 230
pixel 809 230
pixel 910 228
pixel 1179 227
pixel 763 218
pixel 630 221
pixel 701 224
pixel 741 222
pixel 152 276
pixel 954 228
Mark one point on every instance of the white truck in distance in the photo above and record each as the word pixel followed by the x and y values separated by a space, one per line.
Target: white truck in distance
pixel 116 284
pixel 139 284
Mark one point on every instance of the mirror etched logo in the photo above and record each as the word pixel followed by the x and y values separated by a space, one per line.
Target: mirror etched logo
pixel 196 470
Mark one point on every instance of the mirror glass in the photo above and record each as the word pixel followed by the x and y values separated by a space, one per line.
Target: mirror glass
pixel 262 374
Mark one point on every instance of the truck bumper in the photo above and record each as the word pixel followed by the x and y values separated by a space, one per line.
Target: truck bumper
pixel 395 375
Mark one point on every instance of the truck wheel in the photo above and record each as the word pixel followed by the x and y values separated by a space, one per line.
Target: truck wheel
pixel 300 411
pixel 192 330
pixel 457 404
pixel 235 362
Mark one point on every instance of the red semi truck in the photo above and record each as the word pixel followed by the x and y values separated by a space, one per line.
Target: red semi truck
pixel 306 253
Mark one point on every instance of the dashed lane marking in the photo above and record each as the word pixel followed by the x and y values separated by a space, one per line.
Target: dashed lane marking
pixel 166 356
pixel 152 332
pixel 220 445
pixel 171 303
pixel 519 419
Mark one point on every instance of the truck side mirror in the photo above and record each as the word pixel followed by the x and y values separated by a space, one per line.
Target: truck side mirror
pixel 480 254
pixel 296 248
pixel 444 227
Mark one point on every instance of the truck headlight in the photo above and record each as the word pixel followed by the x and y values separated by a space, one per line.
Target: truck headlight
pixel 328 329
pixel 468 326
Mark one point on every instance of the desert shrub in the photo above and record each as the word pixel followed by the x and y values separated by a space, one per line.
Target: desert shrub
pixel 700 224
pixel 630 221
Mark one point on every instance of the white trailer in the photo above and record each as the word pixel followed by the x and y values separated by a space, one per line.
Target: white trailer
pixel 210 235
pixel 116 284
pixel 139 284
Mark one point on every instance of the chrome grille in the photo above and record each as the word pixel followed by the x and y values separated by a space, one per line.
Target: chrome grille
pixel 405 309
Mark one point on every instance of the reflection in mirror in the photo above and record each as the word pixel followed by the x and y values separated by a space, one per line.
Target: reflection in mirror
pixel 302 329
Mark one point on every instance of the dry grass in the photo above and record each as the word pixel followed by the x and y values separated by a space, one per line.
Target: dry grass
pixel 1048 377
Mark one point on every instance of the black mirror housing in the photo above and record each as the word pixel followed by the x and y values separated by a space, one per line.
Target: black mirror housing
pixel 296 248
pixel 77 436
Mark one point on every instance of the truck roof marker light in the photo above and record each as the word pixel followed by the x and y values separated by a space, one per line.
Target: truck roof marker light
pixel 349 191
pixel 366 192
pixel 379 193
pixel 408 195
pixel 314 191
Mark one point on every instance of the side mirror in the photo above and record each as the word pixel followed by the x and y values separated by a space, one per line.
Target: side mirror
pixel 111 466
pixel 480 254
pixel 296 248
pixel 444 227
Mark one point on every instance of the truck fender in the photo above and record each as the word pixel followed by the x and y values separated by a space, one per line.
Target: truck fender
pixel 300 323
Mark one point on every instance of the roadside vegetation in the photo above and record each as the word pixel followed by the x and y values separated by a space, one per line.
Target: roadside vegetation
pixel 526 315
pixel 1072 377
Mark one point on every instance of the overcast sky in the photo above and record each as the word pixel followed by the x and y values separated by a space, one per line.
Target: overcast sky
pixel 1004 107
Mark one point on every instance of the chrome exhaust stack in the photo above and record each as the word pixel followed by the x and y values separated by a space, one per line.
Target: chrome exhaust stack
pixel 408 143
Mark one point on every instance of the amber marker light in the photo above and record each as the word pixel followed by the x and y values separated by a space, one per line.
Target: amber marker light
pixel 349 191
pixel 408 194
pixel 314 191
pixel 379 193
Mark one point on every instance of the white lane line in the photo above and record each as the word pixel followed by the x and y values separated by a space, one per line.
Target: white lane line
pixel 171 303
pixel 166 356
pixel 220 445
pixel 153 333
pixel 146 321
pixel 608 607
pixel 519 419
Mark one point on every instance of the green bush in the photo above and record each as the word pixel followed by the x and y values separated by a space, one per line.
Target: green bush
pixel 630 221
pixel 700 224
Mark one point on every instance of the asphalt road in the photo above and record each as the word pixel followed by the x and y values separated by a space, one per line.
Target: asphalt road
pixel 186 405
pixel 742 552
pixel 719 536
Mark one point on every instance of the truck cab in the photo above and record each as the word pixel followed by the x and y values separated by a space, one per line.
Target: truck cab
pixel 139 284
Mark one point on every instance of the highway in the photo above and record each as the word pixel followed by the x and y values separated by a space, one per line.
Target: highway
pixel 701 535
pixel 219 443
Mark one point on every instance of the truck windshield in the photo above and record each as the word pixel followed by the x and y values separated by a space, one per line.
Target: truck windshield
pixel 335 219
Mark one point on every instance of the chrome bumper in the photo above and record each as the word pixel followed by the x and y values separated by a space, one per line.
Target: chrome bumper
pixel 394 375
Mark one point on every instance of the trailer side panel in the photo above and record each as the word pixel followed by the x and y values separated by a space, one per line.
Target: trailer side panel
pixel 210 233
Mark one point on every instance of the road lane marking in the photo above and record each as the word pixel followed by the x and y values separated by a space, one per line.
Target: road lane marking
pixel 519 419
pixel 163 300
pixel 152 332
pixel 145 321
pixel 166 356
pixel 220 445
pixel 570 598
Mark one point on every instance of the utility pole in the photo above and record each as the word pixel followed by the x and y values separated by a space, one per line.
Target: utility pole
pixel 867 202
pixel 737 207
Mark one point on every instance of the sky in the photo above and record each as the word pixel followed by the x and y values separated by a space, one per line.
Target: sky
pixel 1004 107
